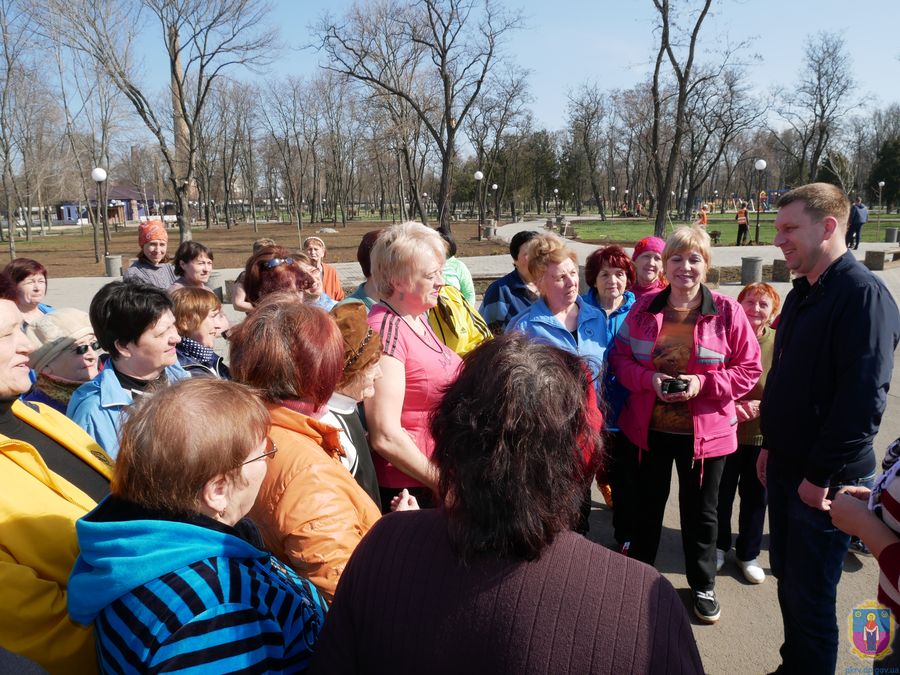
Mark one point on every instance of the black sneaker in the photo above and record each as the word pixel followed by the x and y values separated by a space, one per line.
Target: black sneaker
pixel 858 547
pixel 706 607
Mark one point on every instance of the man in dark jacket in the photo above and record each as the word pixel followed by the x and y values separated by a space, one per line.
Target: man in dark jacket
pixel 859 216
pixel 821 409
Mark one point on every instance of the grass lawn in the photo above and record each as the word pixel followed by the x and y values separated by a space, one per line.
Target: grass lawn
pixel 626 231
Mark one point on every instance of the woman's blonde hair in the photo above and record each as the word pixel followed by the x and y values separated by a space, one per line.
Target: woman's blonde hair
pixel 544 250
pixel 397 254
pixel 688 238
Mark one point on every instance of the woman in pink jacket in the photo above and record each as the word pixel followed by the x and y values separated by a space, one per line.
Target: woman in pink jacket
pixel 685 354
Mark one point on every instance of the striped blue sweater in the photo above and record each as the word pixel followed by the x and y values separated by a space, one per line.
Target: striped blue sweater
pixel 187 596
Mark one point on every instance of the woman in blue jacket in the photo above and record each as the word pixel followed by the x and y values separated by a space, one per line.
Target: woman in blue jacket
pixel 610 272
pixel 169 573
pixel 560 317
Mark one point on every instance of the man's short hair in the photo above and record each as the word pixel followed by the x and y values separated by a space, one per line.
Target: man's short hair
pixel 122 311
pixel 820 200
pixel 519 240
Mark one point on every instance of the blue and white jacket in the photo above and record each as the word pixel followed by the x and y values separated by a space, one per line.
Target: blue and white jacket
pixel 97 406
pixel 538 322
pixel 615 394
pixel 188 594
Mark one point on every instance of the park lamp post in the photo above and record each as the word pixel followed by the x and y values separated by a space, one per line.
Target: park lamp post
pixel 425 197
pixel 556 199
pixel 627 205
pixel 880 188
pixel 496 205
pixel 760 166
pixel 98 175
pixel 612 198
pixel 479 176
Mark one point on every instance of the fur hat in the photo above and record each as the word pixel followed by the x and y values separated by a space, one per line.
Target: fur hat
pixel 152 230
pixel 362 345
pixel 56 332
pixel 654 244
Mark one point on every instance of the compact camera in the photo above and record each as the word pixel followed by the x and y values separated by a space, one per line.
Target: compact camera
pixel 673 385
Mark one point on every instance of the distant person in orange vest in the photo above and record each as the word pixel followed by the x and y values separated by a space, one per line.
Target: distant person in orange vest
pixel 701 217
pixel 743 231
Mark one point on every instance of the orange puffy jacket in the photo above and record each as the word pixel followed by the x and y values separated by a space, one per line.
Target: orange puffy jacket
pixel 310 510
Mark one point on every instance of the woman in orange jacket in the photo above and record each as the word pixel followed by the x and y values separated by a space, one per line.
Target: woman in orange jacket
pixel 310 510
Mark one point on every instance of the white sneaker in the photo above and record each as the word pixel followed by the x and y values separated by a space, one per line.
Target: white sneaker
pixel 720 559
pixel 752 571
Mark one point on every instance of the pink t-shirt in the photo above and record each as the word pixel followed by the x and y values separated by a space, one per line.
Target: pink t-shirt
pixel 430 366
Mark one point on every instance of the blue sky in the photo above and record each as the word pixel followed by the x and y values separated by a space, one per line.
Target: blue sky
pixel 566 42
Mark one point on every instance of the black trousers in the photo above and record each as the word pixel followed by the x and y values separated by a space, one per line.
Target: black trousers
pixel 740 476
pixel 622 457
pixel 743 234
pixel 697 501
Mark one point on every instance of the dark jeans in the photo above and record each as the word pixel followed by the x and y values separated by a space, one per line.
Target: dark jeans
pixel 622 456
pixel 853 234
pixel 696 500
pixel 740 476
pixel 743 234
pixel 807 556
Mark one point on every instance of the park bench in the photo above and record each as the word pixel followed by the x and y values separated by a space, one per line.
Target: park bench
pixel 883 260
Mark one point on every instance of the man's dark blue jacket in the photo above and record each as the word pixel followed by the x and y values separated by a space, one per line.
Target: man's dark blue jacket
pixel 827 389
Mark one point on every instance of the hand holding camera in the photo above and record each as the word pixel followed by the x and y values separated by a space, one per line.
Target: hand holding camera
pixel 674 385
pixel 675 389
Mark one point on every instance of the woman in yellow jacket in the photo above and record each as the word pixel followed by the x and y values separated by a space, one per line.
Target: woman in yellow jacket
pixel 51 474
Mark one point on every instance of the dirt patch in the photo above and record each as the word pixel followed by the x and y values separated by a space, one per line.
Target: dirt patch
pixel 71 254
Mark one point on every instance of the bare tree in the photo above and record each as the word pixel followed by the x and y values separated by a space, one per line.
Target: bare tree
pixel 202 39
pixel 819 102
pixel 664 153
pixel 457 41
pixel 587 111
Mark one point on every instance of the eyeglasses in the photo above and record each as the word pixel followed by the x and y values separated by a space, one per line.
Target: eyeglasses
pixel 267 453
pixel 275 262
pixel 81 350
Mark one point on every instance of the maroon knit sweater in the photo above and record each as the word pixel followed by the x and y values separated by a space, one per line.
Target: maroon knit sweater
pixel 405 605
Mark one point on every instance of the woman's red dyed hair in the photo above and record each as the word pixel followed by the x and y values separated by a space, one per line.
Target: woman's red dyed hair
pixel 613 256
pixel 262 278
pixel 288 350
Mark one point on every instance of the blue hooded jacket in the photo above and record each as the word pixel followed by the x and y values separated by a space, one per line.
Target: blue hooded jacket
pixel 614 393
pixel 538 322
pixel 97 405
pixel 190 595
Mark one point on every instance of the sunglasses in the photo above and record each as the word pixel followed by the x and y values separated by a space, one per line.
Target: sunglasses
pixel 81 350
pixel 267 453
pixel 275 262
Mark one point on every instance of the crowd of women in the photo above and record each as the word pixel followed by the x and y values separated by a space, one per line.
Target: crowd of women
pixel 191 514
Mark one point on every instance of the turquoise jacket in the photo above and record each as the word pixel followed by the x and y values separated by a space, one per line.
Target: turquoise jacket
pixel 538 322
pixel 97 406
pixel 187 594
